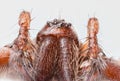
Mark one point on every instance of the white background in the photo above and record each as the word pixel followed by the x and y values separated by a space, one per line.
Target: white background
pixel 75 11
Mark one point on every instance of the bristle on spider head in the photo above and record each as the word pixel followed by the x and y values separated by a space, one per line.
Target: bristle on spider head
pixel 58 23
pixel 24 19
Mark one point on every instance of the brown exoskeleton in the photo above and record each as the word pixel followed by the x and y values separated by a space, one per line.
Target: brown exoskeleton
pixel 56 54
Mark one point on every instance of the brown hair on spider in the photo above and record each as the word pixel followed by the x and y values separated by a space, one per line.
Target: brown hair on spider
pixel 57 47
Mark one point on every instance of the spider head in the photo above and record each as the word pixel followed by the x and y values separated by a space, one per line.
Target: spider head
pixel 57 27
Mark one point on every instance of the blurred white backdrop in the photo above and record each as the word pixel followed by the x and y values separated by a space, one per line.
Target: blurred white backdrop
pixel 75 11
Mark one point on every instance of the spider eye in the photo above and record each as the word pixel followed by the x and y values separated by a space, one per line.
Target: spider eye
pixel 58 23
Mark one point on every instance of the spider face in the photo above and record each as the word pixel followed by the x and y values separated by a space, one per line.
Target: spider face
pixel 58 28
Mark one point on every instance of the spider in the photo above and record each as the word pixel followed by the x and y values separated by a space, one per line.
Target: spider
pixel 56 54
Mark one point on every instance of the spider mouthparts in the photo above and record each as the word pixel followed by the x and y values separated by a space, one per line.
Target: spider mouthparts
pixel 58 23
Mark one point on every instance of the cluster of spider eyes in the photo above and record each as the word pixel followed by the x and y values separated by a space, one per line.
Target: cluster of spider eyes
pixel 58 23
